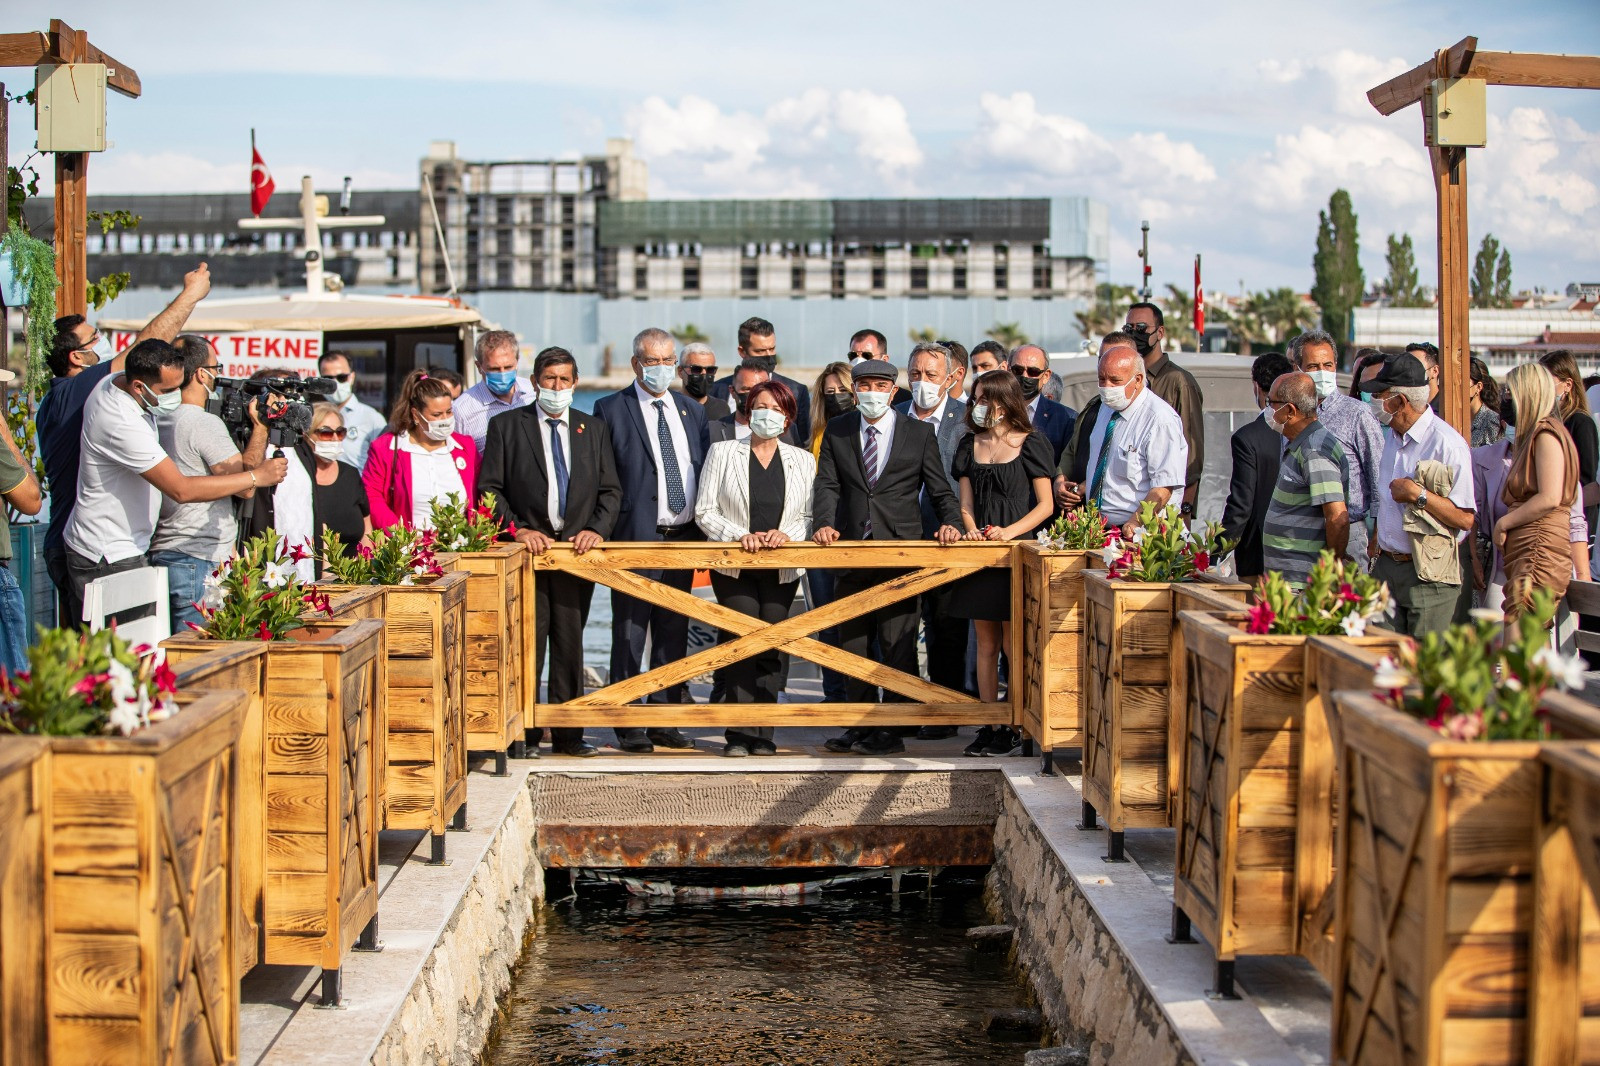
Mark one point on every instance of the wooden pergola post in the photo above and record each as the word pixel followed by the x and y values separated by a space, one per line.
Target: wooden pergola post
pixel 1463 60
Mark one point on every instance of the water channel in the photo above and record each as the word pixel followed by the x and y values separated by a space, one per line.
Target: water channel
pixel 853 975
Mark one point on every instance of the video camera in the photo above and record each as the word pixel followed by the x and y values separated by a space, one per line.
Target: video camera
pixel 286 421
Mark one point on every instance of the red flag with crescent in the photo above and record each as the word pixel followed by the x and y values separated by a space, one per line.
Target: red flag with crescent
pixel 261 185
pixel 1199 303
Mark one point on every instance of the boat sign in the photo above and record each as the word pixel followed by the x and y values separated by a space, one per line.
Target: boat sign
pixel 242 354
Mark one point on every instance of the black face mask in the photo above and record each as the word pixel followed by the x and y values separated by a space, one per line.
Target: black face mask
pixel 1145 342
pixel 739 400
pixel 838 403
pixel 697 385
pixel 1508 410
pixel 769 363
pixel 1030 387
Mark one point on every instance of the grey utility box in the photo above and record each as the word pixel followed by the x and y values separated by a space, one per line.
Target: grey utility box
pixel 70 107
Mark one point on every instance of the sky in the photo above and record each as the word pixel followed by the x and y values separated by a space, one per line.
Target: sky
pixel 1226 125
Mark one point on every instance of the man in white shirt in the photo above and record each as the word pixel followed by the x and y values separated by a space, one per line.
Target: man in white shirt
pixel 1400 401
pixel 123 472
pixel 498 389
pixel 1137 451
pixel 362 423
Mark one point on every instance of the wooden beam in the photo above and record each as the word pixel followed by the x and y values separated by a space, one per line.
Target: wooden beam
pixel 72 225
pixel 1406 89
pixel 24 49
pixel 1455 353
pixel 724 715
pixel 1536 70
pixel 877 554
pixel 72 46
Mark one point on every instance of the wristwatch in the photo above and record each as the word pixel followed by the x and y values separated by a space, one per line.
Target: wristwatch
pixel 1422 499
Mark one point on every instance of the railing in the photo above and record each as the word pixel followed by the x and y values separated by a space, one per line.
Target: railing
pixel 928 564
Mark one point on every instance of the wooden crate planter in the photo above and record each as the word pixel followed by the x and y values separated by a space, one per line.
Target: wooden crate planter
pixel 1436 850
pixel 498 647
pixel 142 883
pixel 1131 644
pixel 205 666
pixel 24 916
pixel 1240 805
pixel 1052 644
pixel 355 602
pixel 1564 990
pixel 323 723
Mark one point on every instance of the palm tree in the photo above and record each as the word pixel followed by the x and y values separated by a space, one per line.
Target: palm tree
pixel 1008 334
pixel 1178 307
pixel 1244 323
pixel 925 335
pixel 688 333
pixel 1105 314
pixel 1283 313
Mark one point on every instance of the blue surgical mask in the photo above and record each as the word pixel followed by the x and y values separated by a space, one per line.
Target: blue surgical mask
pixel 501 381
pixel 658 379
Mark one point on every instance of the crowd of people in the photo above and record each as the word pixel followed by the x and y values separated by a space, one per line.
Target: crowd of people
pixel 971 445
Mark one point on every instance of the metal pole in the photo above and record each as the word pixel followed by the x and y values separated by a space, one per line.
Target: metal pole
pixel 438 230
pixel 1144 258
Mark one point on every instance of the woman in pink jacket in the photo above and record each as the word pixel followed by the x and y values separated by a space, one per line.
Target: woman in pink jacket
pixel 419 459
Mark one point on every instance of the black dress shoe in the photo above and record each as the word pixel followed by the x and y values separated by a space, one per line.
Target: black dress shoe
pixel 580 749
pixel 846 740
pixel 735 749
pixel 762 746
pixel 883 742
pixel 634 741
pixel 669 738
pixel 936 732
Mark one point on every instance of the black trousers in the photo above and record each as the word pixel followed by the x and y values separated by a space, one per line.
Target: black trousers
pixel 759 594
pixel 946 639
pixel 69 605
pixel 632 619
pixel 560 612
pixel 894 627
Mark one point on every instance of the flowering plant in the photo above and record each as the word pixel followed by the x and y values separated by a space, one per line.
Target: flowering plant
pixel 1483 680
pixel 396 556
pixel 84 684
pixel 1080 530
pixel 462 527
pixel 1161 547
pixel 1338 598
pixel 257 594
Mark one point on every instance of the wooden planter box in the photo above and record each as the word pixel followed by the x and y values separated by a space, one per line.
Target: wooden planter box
pixel 498 647
pixel 1436 853
pixel 323 722
pixel 1132 645
pixel 24 886
pixel 1564 990
pixel 1052 644
pixel 142 883
pixel 353 602
pixel 1240 807
pixel 206 666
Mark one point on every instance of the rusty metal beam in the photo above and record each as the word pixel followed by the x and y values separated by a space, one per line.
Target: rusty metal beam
pixel 632 847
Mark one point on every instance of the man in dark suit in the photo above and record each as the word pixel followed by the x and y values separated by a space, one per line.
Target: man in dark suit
pixel 874 467
pixel 659 440
pixel 697 368
pixel 552 472
pixel 736 424
pixel 758 340
pixel 1257 448
pixel 933 374
pixel 1031 364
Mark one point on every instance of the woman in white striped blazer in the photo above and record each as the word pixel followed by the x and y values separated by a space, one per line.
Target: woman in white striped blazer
pixel 757 492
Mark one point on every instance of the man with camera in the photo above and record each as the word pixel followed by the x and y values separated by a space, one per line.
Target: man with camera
pixel 192 539
pixel 123 473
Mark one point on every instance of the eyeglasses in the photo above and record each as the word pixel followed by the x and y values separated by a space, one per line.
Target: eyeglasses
pixel 1029 371
pixel 331 434
pixel 213 368
pixel 1136 327
pixel 346 376
pixel 94 338
pixel 696 371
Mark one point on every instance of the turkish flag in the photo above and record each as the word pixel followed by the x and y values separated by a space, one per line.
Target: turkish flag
pixel 1199 303
pixel 260 182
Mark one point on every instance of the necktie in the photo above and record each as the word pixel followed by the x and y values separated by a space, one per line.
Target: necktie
pixel 559 456
pixel 869 458
pixel 676 500
pixel 1099 482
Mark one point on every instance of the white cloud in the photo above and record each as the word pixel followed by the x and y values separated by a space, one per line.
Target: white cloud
pixel 1533 183
pixel 1367 158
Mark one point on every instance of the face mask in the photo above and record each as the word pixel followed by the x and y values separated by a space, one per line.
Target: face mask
pixel 102 350
pixel 925 394
pixel 501 382
pixel 341 392
pixel 439 430
pixel 697 385
pixel 1030 387
pixel 1508 410
pixel 1115 397
pixel 767 423
pixel 165 403
pixel 555 401
pixel 874 405
pixel 1327 382
pixel 982 415
pixel 769 363
pixel 1273 423
pixel 1145 342
pixel 837 403
pixel 657 379
pixel 211 389
pixel 1382 413
pixel 330 450
pixel 739 400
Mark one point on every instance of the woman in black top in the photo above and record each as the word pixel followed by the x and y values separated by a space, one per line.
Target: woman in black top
pixel 1004 469
pixel 339 499
pixel 1573 407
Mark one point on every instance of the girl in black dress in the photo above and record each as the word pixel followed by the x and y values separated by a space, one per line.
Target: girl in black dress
pixel 1004 469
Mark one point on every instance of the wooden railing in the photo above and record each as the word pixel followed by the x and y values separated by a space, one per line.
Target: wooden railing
pixel 926 565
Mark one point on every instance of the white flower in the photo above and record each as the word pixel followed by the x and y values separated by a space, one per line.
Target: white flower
pixel 1487 614
pixel 125 717
pixel 123 686
pixel 1388 675
pixel 162 711
pixel 1568 672
pixel 1188 536
pixel 408 580
pixel 1110 553
pixel 277 575
pixel 1354 625
pixel 1138 535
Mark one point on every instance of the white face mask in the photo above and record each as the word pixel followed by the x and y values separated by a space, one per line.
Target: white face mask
pixel 1382 413
pixel 162 403
pixel 1272 423
pixel 1327 382
pixel 341 392
pixel 982 415
pixel 1115 397
pixel 658 379
pixel 767 423
pixel 926 394
pixel 873 405
pixel 330 450
pixel 555 401
pixel 439 430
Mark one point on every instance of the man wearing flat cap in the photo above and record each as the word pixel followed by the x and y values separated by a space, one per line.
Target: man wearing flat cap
pixel 873 467
pixel 1425 500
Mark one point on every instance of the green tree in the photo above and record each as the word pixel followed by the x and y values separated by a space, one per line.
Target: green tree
pixel 688 333
pixel 1282 314
pixel 1481 284
pixel 1105 314
pixel 1502 280
pixel 1007 334
pixel 925 335
pixel 1177 307
pixel 1401 285
pixel 1339 282
pixel 1244 325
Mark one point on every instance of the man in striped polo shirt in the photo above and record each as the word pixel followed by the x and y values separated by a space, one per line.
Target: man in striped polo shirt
pixel 1307 514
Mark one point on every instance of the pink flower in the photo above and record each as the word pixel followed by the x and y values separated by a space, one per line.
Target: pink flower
pixel 298 553
pixel 1202 561
pixel 197 629
pixel 263 633
pixel 164 678
pixel 1348 594
pixel 364 551
pixel 1261 618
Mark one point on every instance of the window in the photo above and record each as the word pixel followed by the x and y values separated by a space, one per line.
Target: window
pixel 569 208
pixel 1041 275
pixel 641 277
pixel 567 274
pixel 836 280
pixel 1001 276
pixel 958 279
pixel 691 277
pixel 568 241
pixel 878 275
pixel 749 277
pixel 797 277
pixel 919 278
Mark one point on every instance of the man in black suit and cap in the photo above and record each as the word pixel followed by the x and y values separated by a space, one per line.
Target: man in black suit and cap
pixel 1257 447
pixel 873 467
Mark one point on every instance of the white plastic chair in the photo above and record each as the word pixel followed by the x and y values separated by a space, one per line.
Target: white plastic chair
pixel 106 597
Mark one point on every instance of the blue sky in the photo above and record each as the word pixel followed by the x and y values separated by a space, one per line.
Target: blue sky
pixel 1226 125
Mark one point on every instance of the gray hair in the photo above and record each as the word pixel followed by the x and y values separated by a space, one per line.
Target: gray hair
pixel 492 341
pixel 934 349
pixel 696 348
pixel 649 337
pixel 1053 388
pixel 1300 390
pixel 1019 349
pixel 1415 395
pixel 1298 344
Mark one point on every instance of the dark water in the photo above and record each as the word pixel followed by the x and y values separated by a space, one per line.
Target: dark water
pixel 852 977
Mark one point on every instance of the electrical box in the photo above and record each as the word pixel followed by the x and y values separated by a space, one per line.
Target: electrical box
pixel 1457 113
pixel 70 107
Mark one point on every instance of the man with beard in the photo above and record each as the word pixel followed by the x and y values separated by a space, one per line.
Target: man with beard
pixel 1147 326
pixel 758 344
pixel 697 369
